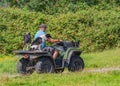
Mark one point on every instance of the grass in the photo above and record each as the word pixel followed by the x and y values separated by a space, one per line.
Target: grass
pixel 65 79
pixel 8 64
pixel 109 58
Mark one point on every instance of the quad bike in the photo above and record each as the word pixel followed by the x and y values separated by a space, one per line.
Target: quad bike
pixel 42 61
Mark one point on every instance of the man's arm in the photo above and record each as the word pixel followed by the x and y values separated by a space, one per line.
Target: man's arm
pixel 50 39
pixel 53 40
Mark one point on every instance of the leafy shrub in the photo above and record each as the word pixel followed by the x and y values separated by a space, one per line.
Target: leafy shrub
pixel 60 6
pixel 96 30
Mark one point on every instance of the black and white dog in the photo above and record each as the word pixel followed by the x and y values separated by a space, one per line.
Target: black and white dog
pixel 36 44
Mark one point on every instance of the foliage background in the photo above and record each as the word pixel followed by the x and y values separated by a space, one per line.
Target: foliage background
pixel 95 23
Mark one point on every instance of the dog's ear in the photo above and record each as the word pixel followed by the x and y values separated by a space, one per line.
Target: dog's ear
pixel 28 33
pixel 72 42
pixel 78 41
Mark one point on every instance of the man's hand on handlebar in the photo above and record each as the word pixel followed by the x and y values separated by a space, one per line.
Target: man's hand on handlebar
pixel 54 40
pixel 60 40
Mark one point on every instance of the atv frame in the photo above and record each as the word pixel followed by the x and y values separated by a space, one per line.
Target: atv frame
pixel 43 62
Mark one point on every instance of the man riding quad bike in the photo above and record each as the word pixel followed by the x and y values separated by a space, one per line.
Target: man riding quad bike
pixel 49 59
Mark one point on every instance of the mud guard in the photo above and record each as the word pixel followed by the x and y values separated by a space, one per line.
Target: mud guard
pixel 72 53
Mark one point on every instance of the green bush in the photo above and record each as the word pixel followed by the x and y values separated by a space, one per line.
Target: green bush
pixel 59 6
pixel 96 30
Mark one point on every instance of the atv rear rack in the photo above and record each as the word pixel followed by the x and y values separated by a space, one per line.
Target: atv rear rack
pixel 21 52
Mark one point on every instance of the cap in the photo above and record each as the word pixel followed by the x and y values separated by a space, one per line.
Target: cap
pixel 43 26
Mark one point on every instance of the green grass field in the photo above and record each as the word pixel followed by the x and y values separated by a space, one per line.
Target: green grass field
pixel 97 60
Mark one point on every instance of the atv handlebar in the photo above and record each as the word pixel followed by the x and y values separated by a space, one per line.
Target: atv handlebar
pixel 67 44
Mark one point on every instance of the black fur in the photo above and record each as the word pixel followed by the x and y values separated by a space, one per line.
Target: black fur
pixel 27 41
pixel 48 36
pixel 36 44
pixel 27 38
pixel 37 41
pixel 71 44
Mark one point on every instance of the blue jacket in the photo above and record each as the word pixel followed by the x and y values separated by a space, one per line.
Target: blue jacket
pixel 38 34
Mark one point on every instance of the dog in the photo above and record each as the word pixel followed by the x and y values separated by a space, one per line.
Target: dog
pixel 36 44
pixel 27 41
pixel 71 44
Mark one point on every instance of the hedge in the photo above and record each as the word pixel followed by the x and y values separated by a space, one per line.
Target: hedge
pixel 96 30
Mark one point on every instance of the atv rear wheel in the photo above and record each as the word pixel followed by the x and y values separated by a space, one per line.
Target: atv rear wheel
pixel 76 64
pixel 44 65
pixel 22 66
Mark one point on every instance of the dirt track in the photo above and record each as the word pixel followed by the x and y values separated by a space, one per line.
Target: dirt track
pixel 102 70
pixel 85 70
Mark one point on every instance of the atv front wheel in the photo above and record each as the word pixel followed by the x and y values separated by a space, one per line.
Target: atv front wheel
pixel 44 65
pixel 22 66
pixel 76 64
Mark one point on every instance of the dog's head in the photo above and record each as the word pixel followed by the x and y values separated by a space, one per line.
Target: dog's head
pixel 72 44
pixel 27 38
pixel 75 44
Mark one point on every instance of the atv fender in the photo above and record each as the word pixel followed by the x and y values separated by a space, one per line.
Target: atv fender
pixel 71 54
pixel 49 57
